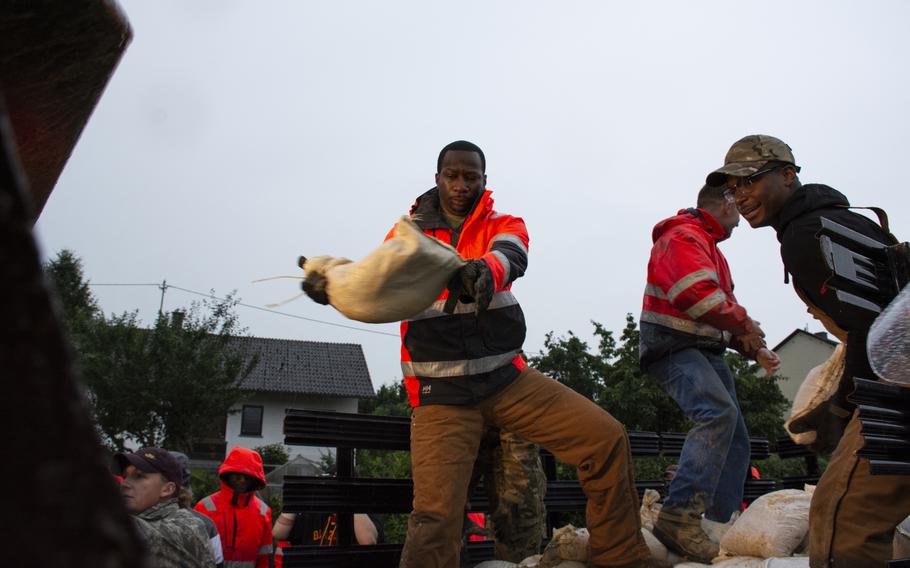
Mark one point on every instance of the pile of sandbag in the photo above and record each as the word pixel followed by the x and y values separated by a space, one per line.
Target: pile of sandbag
pixel 747 562
pixel 767 535
pixel 567 549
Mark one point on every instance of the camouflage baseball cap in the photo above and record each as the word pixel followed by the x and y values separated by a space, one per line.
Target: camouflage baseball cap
pixel 750 154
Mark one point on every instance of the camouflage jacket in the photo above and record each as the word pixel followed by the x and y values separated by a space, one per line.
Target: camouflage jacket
pixel 175 537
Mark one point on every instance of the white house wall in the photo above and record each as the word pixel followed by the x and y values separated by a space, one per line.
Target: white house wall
pixel 797 357
pixel 273 411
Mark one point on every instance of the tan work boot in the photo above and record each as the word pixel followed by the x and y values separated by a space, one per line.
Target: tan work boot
pixel 680 531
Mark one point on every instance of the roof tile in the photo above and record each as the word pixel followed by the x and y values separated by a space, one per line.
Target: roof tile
pixel 306 367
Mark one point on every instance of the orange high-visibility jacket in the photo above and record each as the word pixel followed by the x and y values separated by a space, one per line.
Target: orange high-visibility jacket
pixel 245 527
pixel 460 358
pixel 689 293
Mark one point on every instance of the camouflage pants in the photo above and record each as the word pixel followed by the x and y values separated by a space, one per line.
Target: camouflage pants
pixel 515 485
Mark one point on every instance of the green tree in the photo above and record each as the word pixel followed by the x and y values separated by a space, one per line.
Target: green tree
pixel 762 403
pixel 390 400
pixel 80 309
pixel 570 361
pixel 163 386
pixel 631 396
pixel 611 377
pixel 273 454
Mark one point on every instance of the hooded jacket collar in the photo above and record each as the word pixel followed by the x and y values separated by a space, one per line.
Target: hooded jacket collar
pixel 810 197
pixel 427 213
pixel 692 216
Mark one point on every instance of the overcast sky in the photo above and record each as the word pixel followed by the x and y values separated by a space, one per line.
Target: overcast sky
pixel 237 135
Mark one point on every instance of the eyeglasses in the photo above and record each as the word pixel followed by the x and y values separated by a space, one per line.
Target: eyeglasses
pixel 748 181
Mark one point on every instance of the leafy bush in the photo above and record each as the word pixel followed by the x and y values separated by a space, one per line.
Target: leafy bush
pixel 273 454
pixel 203 483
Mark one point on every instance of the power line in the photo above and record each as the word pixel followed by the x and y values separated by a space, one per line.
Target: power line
pixel 164 286
pixel 107 284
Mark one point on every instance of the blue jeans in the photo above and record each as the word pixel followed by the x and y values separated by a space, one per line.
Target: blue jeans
pixel 715 455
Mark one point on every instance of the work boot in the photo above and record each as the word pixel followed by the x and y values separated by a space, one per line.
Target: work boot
pixel 680 531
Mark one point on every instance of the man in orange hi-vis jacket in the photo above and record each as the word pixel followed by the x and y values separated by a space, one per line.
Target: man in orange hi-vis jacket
pixel 688 320
pixel 464 371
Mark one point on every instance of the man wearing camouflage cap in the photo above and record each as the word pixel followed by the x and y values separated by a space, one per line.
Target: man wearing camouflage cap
pixel 151 482
pixel 853 513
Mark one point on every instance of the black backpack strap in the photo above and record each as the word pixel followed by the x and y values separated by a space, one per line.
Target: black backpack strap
pixel 882 216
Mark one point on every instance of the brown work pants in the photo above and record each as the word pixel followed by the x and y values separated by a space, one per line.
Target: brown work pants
pixel 444 443
pixel 853 513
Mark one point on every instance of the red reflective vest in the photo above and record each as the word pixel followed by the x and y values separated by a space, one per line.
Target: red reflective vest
pixel 245 528
pixel 460 357
pixel 689 288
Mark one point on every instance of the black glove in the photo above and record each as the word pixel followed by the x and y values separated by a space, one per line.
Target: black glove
pixel 477 284
pixel 315 285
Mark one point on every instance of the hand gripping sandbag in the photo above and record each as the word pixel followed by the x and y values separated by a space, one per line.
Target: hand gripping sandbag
pixel 395 282
pixel 819 385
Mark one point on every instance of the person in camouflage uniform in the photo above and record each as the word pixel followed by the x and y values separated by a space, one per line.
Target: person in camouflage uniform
pixel 175 537
pixel 515 485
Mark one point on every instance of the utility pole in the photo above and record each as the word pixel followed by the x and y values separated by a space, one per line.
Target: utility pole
pixel 163 289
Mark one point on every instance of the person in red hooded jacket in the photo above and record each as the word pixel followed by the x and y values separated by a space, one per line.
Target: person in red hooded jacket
pixel 689 317
pixel 244 521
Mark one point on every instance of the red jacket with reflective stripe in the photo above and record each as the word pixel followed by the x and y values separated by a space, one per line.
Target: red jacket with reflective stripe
pixel 442 354
pixel 690 290
pixel 245 527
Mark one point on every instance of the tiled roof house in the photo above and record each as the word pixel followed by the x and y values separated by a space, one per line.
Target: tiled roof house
pixel 294 374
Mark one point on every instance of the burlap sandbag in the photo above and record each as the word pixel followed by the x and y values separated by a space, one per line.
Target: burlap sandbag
pixel 774 525
pixel 568 543
pixel 715 530
pixel 650 509
pixel 395 282
pixel 820 384
pixel 496 564
pixel 657 548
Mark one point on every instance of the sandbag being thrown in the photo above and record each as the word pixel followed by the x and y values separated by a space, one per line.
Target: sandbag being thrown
pixel 398 280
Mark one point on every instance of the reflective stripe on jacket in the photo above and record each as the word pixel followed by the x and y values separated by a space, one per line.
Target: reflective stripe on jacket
pixel 461 358
pixel 245 527
pixel 689 293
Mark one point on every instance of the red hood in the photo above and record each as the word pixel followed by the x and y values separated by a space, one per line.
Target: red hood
pixel 246 461
pixel 707 222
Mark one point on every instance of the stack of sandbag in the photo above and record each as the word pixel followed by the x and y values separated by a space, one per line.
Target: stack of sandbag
pixel 567 549
pixel 650 509
pixel 747 562
pixel 774 525
pixel 716 530
pixel 568 545
pixel 395 282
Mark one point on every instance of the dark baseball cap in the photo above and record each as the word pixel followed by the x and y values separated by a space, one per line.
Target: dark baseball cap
pixel 749 155
pixel 152 460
